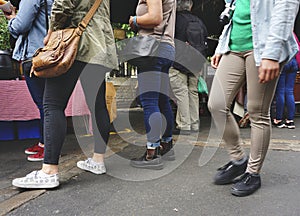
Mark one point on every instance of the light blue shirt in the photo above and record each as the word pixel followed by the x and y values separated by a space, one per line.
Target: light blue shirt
pixel 272 24
pixel 30 20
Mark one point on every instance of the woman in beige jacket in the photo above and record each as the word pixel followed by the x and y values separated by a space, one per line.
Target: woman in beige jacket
pixel 96 56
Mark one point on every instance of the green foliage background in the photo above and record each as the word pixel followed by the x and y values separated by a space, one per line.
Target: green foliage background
pixel 4 34
pixel 125 27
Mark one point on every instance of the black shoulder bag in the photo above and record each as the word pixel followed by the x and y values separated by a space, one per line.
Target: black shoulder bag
pixel 140 47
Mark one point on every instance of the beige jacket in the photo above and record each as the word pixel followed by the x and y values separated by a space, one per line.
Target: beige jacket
pixel 97 44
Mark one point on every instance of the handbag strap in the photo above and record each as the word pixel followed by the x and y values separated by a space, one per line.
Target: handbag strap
pixel 85 21
pixel 46 16
pixel 166 24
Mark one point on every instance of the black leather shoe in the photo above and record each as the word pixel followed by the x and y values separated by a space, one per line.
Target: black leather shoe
pixel 146 162
pixel 166 151
pixel 246 185
pixel 227 173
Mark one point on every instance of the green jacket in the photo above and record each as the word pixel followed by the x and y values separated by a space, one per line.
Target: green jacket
pixel 97 44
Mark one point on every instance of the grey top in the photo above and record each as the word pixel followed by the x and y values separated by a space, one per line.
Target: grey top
pixel 169 6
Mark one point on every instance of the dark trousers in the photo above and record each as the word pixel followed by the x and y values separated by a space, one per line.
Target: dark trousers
pixel 284 94
pixel 36 88
pixel 57 93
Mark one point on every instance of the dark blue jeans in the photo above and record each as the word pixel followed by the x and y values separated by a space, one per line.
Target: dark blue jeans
pixel 57 93
pixel 36 88
pixel 285 91
pixel 153 79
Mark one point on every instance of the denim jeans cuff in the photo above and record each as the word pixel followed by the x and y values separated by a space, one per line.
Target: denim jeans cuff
pixel 151 145
pixel 166 139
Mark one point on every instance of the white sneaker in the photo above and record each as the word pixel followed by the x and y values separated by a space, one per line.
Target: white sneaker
pixel 37 179
pixel 92 166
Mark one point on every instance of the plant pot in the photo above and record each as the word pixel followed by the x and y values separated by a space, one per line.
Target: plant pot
pixel 9 68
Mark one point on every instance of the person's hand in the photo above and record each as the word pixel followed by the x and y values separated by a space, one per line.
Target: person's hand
pixel 46 39
pixel 214 61
pixel 268 70
pixel 10 15
pixel 130 21
pixel 132 26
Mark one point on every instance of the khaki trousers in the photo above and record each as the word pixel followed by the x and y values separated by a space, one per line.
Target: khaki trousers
pixel 185 90
pixel 232 73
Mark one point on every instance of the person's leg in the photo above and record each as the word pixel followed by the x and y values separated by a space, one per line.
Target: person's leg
pixel 193 102
pixel 153 81
pixel 289 95
pixel 164 101
pixel 36 88
pixel 259 101
pixel 179 87
pixel 166 144
pixel 166 111
pixel 280 97
pixel 56 96
pixel 229 77
pixel 94 86
pixel 57 93
pixel 149 85
pixel 163 64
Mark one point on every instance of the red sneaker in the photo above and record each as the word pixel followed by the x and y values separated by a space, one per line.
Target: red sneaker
pixel 37 157
pixel 34 149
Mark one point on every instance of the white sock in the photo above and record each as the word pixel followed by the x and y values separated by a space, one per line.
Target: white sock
pixel 41 145
pixel 97 163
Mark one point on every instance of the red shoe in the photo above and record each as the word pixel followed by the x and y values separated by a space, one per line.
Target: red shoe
pixel 37 157
pixel 34 149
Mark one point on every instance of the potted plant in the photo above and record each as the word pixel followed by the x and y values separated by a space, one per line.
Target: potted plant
pixel 4 34
pixel 8 67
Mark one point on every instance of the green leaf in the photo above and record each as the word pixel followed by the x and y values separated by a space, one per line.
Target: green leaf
pixel 4 33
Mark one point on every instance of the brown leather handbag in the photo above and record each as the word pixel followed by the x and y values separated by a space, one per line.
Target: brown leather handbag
pixel 58 55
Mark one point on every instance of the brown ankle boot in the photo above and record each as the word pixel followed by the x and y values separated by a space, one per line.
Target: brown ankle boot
pixel 167 151
pixel 152 153
pixel 150 160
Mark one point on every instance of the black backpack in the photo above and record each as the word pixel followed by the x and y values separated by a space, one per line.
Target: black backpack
pixel 191 57
pixel 196 33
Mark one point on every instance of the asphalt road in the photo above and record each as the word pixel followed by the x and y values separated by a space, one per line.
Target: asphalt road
pixel 187 190
pixel 181 188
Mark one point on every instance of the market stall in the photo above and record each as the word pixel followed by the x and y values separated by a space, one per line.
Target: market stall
pixel 19 115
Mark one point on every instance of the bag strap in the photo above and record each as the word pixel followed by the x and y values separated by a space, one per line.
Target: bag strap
pixel 166 24
pixel 46 16
pixel 85 21
pixel 165 27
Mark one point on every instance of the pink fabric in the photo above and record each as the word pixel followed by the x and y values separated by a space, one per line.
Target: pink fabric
pixel 298 54
pixel 16 103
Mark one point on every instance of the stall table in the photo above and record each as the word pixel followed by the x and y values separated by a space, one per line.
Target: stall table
pixel 19 115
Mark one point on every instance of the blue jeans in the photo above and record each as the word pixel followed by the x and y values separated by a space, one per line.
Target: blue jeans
pixel 285 91
pixel 36 88
pixel 153 79
pixel 57 93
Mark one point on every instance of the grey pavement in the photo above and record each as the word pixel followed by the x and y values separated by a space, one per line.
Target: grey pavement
pixel 181 188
